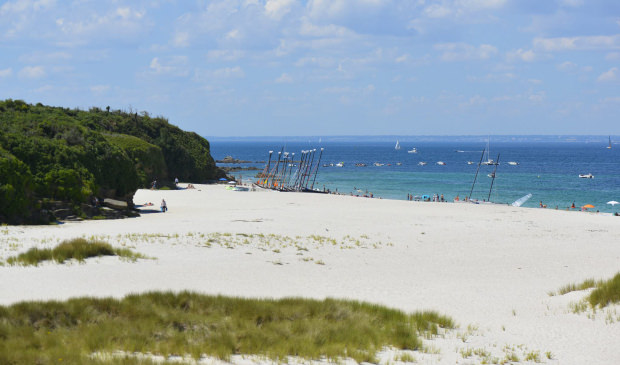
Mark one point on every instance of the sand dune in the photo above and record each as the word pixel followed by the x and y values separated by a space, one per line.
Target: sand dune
pixel 488 266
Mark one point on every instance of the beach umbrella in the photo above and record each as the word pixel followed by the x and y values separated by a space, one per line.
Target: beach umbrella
pixel 588 206
pixel 223 179
pixel 232 182
pixel 613 202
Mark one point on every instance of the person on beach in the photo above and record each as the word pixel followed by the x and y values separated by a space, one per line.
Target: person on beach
pixel 572 205
pixel 164 206
pixel 154 184
pixel 176 181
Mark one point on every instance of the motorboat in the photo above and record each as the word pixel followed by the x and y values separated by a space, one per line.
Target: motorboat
pixel 378 164
pixel 422 163
pixel 470 162
pixel 413 150
pixel 441 163
pixel 339 164
pixel 513 163
pixel 398 163
pixel 586 176
pixel 360 164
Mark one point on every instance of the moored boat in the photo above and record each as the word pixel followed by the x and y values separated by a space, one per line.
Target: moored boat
pixel 586 176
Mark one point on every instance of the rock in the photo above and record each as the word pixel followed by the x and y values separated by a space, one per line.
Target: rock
pixel 230 159
pixel 115 204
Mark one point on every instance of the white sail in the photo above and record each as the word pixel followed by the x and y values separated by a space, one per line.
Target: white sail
pixel 397 147
pixel 520 201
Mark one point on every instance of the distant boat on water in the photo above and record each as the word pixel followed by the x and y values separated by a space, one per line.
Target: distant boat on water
pixel 397 147
pixel 421 163
pixel 489 160
pixel 413 150
pixel 441 163
pixel 586 176
pixel 513 163
pixel 470 162
pixel 609 146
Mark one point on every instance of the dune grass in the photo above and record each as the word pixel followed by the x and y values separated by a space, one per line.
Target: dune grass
pixel 586 284
pixel 79 249
pixel 186 323
pixel 606 292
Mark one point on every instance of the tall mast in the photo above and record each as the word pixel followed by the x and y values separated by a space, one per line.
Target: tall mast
pixel 317 169
pixel 492 181
pixel 476 177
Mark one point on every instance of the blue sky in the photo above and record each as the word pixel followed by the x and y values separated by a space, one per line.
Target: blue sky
pixel 324 67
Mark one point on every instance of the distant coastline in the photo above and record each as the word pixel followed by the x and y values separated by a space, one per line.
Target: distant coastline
pixel 425 138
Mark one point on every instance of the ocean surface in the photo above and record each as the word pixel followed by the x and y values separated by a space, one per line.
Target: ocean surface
pixel 548 170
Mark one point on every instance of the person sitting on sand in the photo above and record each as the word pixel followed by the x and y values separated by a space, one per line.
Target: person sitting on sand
pixel 164 206
pixel 456 199
pixel 190 186
pixel 573 205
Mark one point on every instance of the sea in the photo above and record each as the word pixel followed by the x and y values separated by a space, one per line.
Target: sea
pixel 548 167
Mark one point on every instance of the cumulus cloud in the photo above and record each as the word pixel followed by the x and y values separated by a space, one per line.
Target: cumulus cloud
pixel 175 66
pixel 567 66
pixel 521 55
pixel 284 79
pixel 6 72
pixel 582 43
pixel 32 72
pixel 181 39
pixel 464 52
pixel 609 75
pixel 225 54
pixel 276 9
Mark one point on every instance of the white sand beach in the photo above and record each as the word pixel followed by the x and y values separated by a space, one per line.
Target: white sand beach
pixel 489 267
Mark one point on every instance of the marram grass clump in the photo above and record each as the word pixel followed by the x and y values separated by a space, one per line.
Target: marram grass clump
pixel 165 323
pixel 79 249
pixel 606 292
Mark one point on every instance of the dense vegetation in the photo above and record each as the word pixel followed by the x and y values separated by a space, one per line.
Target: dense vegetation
pixel 78 249
pixel 60 154
pixel 188 323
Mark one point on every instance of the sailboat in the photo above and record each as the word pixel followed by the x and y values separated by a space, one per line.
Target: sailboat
pixel 609 147
pixel 397 147
pixel 489 160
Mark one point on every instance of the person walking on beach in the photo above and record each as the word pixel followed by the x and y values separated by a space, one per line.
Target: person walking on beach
pixel 176 181
pixel 164 206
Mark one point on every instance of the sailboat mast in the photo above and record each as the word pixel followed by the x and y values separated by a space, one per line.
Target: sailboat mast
pixel 492 181
pixel 477 170
pixel 317 169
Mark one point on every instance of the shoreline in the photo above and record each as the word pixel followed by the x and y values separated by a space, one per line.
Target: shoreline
pixel 486 265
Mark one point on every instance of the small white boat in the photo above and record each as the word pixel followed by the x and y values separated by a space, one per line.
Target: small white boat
pixel 339 164
pixel 398 163
pixel 513 163
pixel 378 164
pixel 441 163
pixel 470 162
pixel 586 176
pixel 397 147
pixel 421 163
pixel 413 150
pixel 491 175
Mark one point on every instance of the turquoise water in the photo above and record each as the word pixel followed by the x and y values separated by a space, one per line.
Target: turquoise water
pixel 549 171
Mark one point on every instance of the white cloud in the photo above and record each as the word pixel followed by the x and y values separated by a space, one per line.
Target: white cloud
pixel 330 30
pixel 176 66
pixel 6 72
pixel 567 66
pixel 284 79
pixel 571 3
pixel 225 54
pixel 611 75
pixel 181 39
pixel 464 52
pixel 276 9
pixel 228 72
pixel 32 72
pixel 521 55
pixel 612 56
pixel 234 34
pixel 537 97
pixel 584 43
